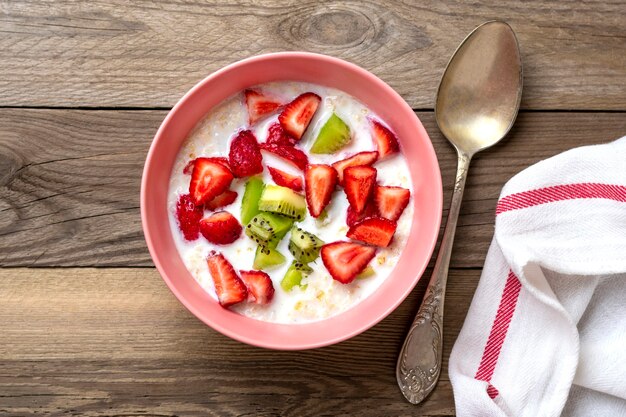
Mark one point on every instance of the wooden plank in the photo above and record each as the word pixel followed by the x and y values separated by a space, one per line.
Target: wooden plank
pixel 148 53
pixel 115 341
pixel 69 190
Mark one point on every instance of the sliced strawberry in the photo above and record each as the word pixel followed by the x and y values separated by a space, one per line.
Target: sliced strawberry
pixel 319 182
pixel 260 287
pixel 391 201
pixel 245 156
pixel 374 231
pixel 276 135
pixel 345 260
pixel 290 154
pixel 224 199
pixel 286 180
pixel 385 140
pixel 353 217
pixel 228 286
pixel 297 115
pixel 259 105
pixel 189 215
pixel 189 167
pixel 220 228
pixel 208 180
pixel 359 183
pixel 361 158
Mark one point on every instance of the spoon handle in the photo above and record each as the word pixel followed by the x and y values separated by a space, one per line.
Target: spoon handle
pixel 419 363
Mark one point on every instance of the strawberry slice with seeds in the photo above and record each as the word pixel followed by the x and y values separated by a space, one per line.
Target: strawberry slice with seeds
pixel 374 231
pixel 189 215
pixel 352 217
pixel 208 180
pixel 222 200
pixel 229 287
pixel 189 167
pixel 319 181
pixel 345 260
pixel 359 183
pixel 289 153
pixel 220 228
pixel 286 180
pixel 385 140
pixel 260 287
pixel 259 105
pixel 245 156
pixel 361 158
pixel 276 135
pixel 297 115
pixel 391 201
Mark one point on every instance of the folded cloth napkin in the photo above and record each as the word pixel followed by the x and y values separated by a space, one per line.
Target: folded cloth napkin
pixel 546 332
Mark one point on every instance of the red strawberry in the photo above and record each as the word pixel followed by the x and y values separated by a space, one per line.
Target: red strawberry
pixel 228 286
pixel 385 140
pixel 220 228
pixel 319 181
pixel 286 180
pixel 359 183
pixel 259 105
pixel 391 201
pixel 208 180
pixel 361 158
pixel 293 155
pixel 224 199
pixel 353 218
pixel 277 135
pixel 189 215
pixel 345 260
pixel 297 115
pixel 260 287
pixel 375 231
pixel 245 156
pixel 189 167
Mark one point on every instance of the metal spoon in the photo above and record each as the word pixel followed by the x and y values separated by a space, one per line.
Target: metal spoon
pixel 477 102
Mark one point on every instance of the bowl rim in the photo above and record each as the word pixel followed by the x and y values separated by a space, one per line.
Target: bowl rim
pixel 232 333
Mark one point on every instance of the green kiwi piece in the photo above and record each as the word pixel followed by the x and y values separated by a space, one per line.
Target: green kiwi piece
pixel 266 257
pixel 282 200
pixel 250 200
pixel 304 246
pixel 294 275
pixel 268 228
pixel 334 135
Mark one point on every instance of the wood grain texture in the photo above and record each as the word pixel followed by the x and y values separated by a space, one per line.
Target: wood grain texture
pixel 69 190
pixel 117 342
pixel 148 53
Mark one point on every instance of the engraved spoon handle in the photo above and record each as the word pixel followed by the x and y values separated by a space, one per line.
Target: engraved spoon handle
pixel 419 363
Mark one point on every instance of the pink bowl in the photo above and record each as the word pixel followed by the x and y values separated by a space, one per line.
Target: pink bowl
pixel 323 70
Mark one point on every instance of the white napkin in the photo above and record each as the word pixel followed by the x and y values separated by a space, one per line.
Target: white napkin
pixel 546 332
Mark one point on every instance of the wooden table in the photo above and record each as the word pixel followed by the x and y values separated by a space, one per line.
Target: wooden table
pixel 87 326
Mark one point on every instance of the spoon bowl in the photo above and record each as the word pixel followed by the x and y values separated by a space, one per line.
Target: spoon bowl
pixel 487 61
pixel 477 102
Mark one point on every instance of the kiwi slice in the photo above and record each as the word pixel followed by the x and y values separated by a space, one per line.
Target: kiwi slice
pixel 294 275
pixel 304 246
pixel 334 135
pixel 366 273
pixel 266 257
pixel 282 200
pixel 268 228
pixel 250 200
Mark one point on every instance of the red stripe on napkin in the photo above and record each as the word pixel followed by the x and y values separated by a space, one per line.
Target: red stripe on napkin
pixel 560 193
pixel 492 391
pixel 498 332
